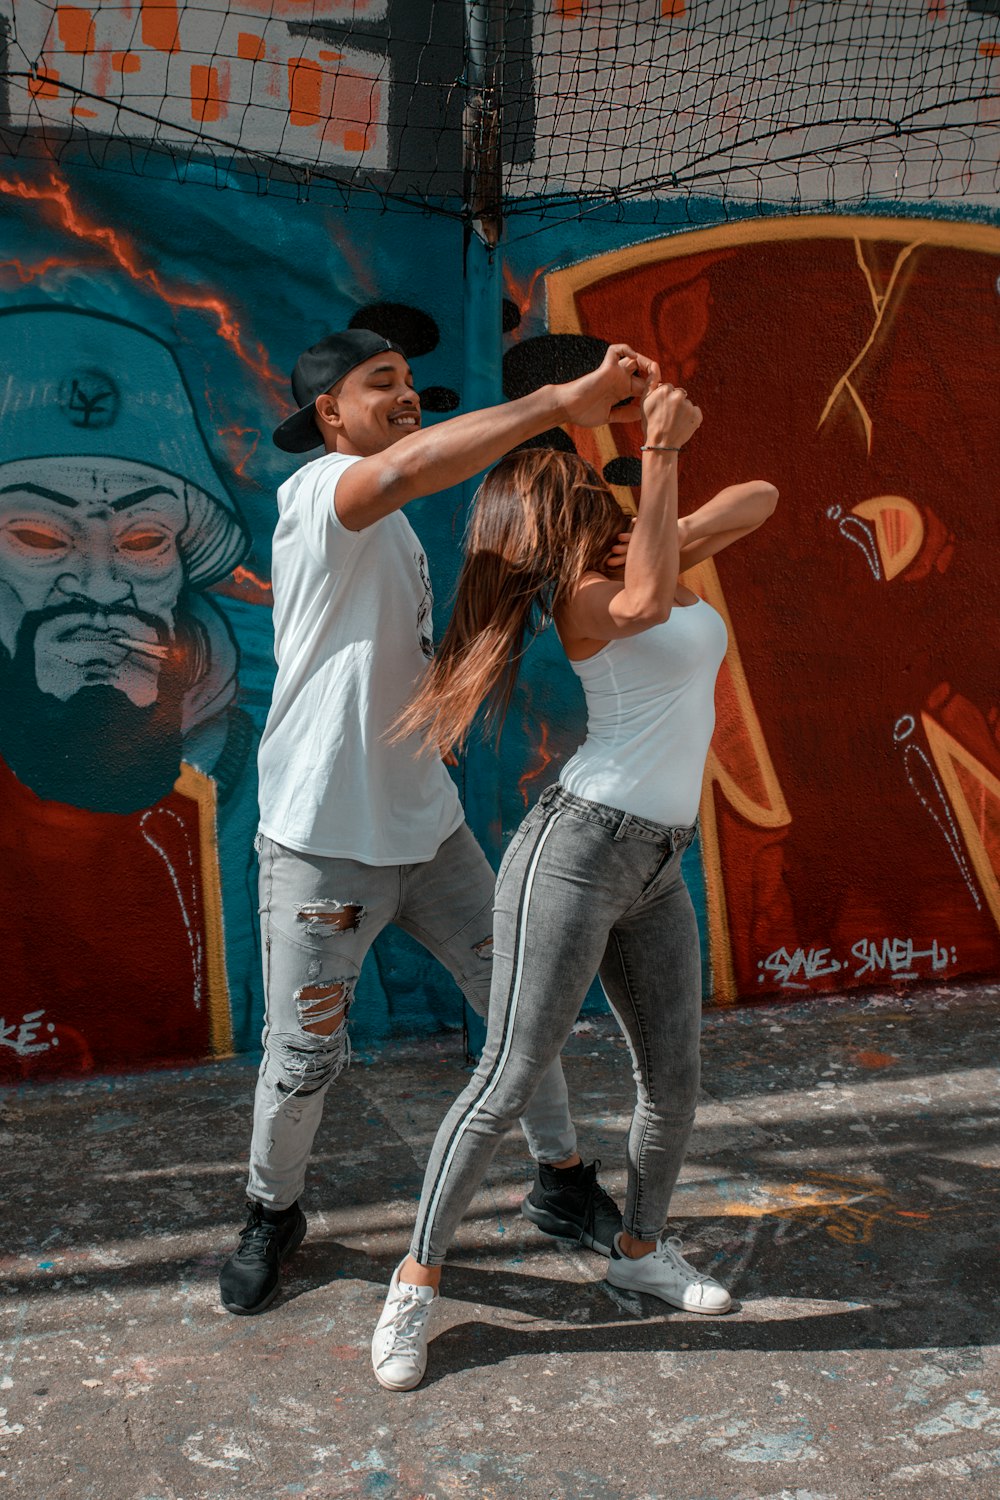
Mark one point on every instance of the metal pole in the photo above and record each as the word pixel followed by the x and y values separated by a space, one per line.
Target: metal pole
pixel 483 355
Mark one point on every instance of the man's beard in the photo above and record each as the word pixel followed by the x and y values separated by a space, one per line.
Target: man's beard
pixel 96 750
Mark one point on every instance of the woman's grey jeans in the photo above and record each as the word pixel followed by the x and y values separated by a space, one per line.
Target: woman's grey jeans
pixel 318 919
pixel 583 889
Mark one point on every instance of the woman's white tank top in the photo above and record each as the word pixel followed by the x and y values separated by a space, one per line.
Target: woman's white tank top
pixel 650 716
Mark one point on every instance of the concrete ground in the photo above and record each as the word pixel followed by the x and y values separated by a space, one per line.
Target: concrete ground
pixel 842 1181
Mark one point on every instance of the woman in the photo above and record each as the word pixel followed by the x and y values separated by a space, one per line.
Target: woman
pixel 591 881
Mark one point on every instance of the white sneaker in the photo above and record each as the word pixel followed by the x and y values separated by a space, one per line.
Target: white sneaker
pixel 666 1274
pixel 399 1343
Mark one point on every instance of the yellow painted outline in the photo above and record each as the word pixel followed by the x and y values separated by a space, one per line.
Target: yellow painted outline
pixel 880 303
pixel 704 579
pixel 561 288
pixel 946 750
pixel 201 789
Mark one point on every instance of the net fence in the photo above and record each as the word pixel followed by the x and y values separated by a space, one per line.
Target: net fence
pixel 573 105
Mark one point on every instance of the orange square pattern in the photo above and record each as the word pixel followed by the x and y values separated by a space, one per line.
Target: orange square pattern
pixel 250 46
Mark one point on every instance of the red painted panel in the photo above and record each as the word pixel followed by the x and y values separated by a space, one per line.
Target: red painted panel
pixel 106 964
pixel 851 658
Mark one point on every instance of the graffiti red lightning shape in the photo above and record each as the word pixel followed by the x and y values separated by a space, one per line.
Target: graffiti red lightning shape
pixel 28 273
pixel 232 436
pixel 57 199
pixel 544 757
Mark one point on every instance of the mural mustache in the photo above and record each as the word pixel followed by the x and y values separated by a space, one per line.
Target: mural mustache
pixel 98 748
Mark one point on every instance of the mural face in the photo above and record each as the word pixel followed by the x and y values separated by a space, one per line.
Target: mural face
pixel 851 819
pixel 117 681
pixel 91 580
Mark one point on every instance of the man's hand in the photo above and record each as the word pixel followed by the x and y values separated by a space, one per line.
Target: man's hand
pixel 612 392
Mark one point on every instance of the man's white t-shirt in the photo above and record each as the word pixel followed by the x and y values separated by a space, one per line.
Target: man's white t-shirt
pixel 352 637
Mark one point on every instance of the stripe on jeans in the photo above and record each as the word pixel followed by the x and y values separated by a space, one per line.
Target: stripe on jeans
pixel 493 1077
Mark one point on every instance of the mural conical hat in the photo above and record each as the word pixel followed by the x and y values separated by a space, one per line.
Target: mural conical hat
pixel 76 384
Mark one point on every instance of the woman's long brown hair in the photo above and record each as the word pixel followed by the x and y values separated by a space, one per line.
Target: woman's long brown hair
pixel 541 520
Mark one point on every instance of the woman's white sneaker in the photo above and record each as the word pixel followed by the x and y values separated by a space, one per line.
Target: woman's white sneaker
pixel 399 1343
pixel 666 1274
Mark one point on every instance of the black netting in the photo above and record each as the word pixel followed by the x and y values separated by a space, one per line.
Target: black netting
pixel 600 102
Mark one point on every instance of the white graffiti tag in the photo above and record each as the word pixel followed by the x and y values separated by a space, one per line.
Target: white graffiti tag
pixel 810 964
pixel 25 1037
pixel 897 958
pixel 900 957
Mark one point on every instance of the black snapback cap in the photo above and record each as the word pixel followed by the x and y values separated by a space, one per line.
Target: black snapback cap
pixel 316 371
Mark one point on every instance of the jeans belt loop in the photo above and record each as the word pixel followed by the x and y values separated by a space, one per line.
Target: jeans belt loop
pixel 623 826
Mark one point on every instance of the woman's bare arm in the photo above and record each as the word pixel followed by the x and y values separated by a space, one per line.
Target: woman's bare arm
pixel 602 610
pixel 731 514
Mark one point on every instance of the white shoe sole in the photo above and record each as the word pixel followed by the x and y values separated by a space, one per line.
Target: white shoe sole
pixel 631 1286
pixel 388 1385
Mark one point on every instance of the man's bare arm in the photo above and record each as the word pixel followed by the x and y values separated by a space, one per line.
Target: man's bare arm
pixel 452 451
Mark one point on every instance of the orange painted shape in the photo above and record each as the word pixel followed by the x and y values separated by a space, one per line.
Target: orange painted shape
pixel 44 85
pixel 201 789
pixel 533 772
pixel 354 111
pixel 899 530
pixel 249 46
pixel 332 56
pixel 76 28
pixel 126 62
pixel 205 101
pixel 161 25
pixel 570 8
pixel 989 49
pixel 83 114
pixel 305 91
pixel 673 7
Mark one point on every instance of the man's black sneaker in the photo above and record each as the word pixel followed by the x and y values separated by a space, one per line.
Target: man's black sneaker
pixel 570 1202
pixel 249 1280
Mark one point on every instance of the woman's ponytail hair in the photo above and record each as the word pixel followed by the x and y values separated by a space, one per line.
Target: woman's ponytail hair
pixel 540 520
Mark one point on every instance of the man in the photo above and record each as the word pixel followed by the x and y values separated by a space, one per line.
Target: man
pixel 356 831
pixel 119 732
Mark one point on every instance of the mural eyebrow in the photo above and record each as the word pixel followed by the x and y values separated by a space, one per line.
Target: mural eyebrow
pixel 137 495
pixel 37 489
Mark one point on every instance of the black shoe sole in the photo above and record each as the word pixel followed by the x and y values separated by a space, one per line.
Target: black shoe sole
pixel 265 1302
pixel 562 1229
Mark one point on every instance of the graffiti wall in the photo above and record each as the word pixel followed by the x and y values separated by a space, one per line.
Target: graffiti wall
pixel 145 336
pixel 850 824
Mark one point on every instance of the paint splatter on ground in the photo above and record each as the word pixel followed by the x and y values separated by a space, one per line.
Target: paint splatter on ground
pixel 842 1180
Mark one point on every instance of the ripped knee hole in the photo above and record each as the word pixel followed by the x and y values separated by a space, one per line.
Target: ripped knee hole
pixel 322 1006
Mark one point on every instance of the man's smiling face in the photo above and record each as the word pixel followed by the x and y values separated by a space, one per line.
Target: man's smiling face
pixel 371 408
pixel 88 550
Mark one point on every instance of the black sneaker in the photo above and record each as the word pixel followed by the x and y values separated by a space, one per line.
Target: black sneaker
pixel 249 1280
pixel 570 1202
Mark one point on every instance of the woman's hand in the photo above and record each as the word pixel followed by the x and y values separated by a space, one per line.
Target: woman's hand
pixel 668 417
pixel 614 562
